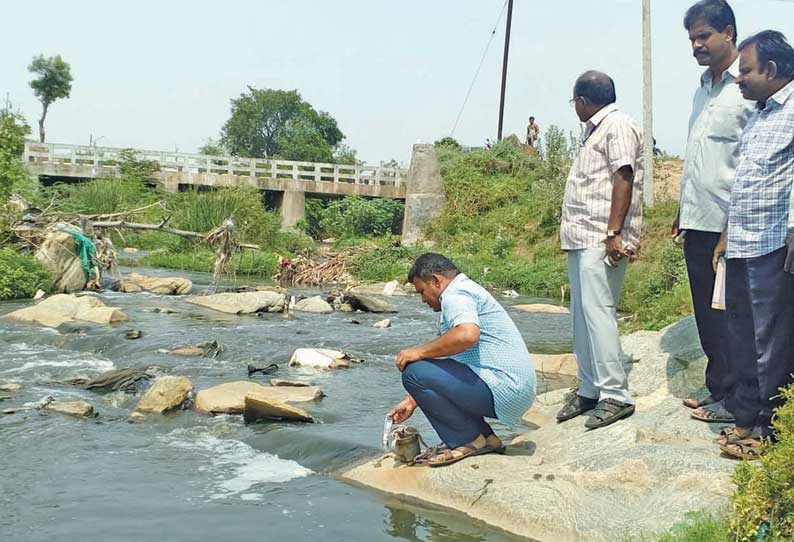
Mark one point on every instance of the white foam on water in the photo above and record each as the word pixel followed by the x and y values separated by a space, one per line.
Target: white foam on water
pixel 237 467
pixel 47 356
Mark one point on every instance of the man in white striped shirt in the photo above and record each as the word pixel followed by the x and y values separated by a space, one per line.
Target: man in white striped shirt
pixel 600 231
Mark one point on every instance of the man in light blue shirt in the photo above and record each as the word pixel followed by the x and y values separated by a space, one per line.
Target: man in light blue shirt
pixel 478 368
pixel 719 113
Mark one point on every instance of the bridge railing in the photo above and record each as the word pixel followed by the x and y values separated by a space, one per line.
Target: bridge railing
pixel 110 158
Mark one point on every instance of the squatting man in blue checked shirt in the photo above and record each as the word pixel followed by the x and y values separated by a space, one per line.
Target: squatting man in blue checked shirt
pixel 478 367
pixel 758 245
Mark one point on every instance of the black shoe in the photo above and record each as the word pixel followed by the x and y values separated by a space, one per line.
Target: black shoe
pixel 575 405
pixel 607 412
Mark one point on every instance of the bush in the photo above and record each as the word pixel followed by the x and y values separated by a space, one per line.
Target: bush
pixel 101 196
pixel 246 262
pixel 763 506
pixel 358 217
pixel 21 275
pixel 204 211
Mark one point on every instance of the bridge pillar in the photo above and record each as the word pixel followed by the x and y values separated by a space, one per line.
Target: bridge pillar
pixel 293 208
pixel 424 199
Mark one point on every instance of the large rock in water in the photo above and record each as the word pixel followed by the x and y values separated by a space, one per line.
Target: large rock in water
pixel 543 308
pixel 167 393
pixel 229 398
pixel 314 304
pixel 368 303
pixel 260 407
pixel 156 285
pixel 560 483
pixel 379 288
pixel 58 253
pixel 80 409
pixel 242 303
pixel 65 308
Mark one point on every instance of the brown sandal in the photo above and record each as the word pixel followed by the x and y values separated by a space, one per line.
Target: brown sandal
pixel 449 457
pixel 749 448
pixel 713 415
pixel 693 403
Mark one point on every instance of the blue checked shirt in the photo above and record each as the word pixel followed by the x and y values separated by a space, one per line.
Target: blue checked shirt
pixel 759 213
pixel 500 358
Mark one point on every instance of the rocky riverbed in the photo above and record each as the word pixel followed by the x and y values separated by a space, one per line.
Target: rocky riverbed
pixel 179 473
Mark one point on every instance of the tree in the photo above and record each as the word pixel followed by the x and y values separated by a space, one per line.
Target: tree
pixel 266 123
pixel 13 130
pixel 54 81
pixel 448 141
pixel 212 148
pixel 343 154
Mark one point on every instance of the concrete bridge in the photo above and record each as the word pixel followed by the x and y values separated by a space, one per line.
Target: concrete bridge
pixel 285 184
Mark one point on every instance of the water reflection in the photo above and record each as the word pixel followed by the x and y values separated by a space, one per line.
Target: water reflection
pixel 414 524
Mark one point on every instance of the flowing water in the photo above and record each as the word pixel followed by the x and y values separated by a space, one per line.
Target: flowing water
pixel 189 477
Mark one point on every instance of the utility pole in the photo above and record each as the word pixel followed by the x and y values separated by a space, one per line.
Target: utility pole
pixel 504 68
pixel 647 100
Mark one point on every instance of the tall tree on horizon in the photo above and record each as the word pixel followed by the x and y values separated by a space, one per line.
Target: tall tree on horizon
pixel 54 81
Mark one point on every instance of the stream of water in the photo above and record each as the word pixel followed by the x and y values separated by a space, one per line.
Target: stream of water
pixel 189 477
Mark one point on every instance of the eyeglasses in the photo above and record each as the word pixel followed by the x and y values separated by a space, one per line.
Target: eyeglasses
pixel 572 101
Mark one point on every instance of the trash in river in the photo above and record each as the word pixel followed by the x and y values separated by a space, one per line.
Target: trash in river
pixel 270 369
pixel 133 334
pixel 387 425
pixel 355 322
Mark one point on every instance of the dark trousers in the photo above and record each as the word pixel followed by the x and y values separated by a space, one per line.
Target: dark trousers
pixel 452 397
pixel 711 323
pixel 759 296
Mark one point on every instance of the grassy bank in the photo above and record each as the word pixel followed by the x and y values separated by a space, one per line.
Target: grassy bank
pixel 20 275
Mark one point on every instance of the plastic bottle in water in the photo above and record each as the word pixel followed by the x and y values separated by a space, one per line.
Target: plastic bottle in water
pixel 387 425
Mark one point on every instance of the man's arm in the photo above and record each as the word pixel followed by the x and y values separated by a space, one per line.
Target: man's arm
pixel 458 339
pixel 622 185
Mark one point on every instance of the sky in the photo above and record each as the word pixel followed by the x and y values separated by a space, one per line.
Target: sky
pixel 160 75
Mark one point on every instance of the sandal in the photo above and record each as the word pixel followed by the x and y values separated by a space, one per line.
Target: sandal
pixel 727 436
pixel 575 405
pixel 693 402
pixel 608 412
pixel 428 454
pixel 715 414
pixel 449 457
pixel 749 448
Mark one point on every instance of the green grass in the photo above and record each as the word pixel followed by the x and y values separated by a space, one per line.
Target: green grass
pixel 247 262
pixel 697 527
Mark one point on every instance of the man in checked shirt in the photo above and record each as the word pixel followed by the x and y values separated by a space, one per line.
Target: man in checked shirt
pixel 759 245
pixel 600 231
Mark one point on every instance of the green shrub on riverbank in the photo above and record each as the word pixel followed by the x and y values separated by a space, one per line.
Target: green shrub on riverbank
pixel 698 527
pixel 763 506
pixel 246 262
pixel 20 275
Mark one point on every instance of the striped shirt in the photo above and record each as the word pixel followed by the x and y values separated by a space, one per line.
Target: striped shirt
pixel 611 141
pixel 719 114
pixel 500 358
pixel 759 213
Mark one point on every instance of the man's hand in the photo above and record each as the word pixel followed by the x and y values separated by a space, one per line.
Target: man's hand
pixel 675 231
pixel 614 247
pixel 789 266
pixel 409 355
pixel 403 410
pixel 719 251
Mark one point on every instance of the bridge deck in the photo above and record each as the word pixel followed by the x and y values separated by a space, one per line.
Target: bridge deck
pixel 185 169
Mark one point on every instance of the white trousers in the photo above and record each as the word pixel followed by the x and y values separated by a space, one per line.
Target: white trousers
pixel 595 293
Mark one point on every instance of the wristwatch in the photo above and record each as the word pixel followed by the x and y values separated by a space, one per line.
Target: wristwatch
pixel 613 233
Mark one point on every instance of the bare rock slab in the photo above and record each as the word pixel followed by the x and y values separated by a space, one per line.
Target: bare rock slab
pixel 315 304
pixel 543 308
pixel 229 398
pixel 288 383
pixel 156 285
pixel 66 308
pixel 556 364
pixel 10 387
pixel 81 409
pixel 167 393
pixel 258 407
pixel 242 303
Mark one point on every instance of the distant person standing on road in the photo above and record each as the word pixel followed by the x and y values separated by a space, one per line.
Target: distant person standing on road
pixel 533 132
pixel 600 231
pixel 719 114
